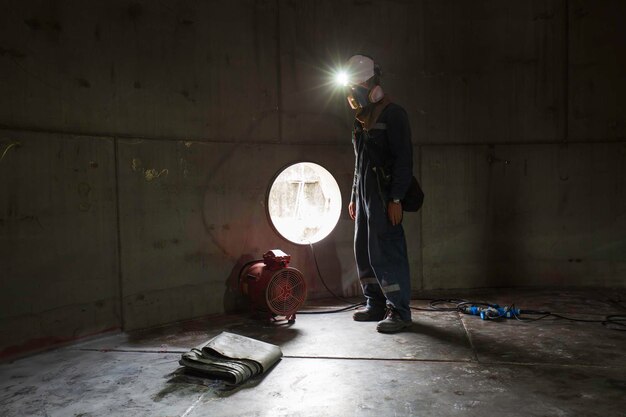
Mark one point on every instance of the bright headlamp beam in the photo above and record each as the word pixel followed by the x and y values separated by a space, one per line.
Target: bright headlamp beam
pixel 341 78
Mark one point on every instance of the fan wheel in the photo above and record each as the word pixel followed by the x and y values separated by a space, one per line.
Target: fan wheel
pixel 286 292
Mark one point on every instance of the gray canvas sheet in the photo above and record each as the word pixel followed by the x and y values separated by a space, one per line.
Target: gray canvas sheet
pixel 232 357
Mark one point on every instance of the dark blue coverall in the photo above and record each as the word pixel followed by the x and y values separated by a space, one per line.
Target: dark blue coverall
pixel 383 172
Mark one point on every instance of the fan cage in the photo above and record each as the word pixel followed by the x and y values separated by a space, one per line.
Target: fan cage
pixel 286 292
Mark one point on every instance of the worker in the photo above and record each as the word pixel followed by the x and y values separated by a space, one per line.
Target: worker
pixel 382 175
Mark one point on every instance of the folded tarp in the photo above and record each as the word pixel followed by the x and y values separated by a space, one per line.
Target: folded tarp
pixel 232 357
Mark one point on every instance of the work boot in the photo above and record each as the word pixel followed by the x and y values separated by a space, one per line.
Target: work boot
pixel 369 314
pixel 392 323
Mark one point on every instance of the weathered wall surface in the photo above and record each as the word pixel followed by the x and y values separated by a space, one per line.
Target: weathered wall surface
pixel 597 61
pixel 149 133
pixel 141 69
pixel 549 214
pixel 58 239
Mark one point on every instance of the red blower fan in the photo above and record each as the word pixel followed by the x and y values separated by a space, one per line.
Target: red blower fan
pixel 272 286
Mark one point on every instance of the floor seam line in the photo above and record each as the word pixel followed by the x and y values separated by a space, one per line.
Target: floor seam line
pixel 468 361
pixel 469 337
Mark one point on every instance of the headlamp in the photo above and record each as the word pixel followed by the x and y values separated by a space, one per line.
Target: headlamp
pixel 341 78
pixel 354 75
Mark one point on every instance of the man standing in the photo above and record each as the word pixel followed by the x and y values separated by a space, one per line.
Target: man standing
pixel 382 175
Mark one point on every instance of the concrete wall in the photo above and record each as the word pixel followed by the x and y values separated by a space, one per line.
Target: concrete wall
pixel 58 239
pixel 139 139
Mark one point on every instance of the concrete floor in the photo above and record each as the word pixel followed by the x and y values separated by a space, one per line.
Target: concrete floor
pixel 447 364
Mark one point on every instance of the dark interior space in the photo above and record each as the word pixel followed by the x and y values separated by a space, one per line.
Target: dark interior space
pixel 150 151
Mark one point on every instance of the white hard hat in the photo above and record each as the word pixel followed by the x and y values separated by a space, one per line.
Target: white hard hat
pixel 359 69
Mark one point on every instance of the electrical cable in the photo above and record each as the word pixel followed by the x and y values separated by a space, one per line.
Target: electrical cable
pixel 351 305
pixel 16 144
pixel 612 322
pixel 543 314
pixel 339 310
pixel 615 320
pixel 573 319
pixel 319 274
pixel 435 305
